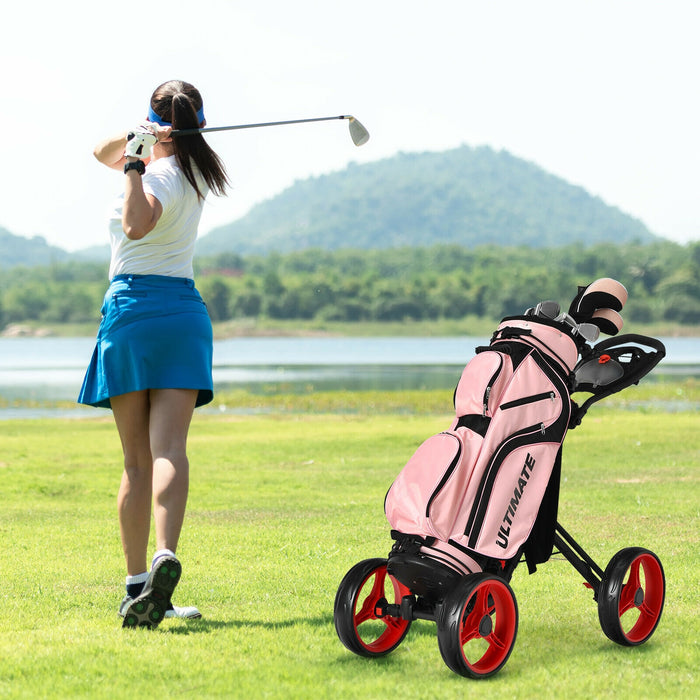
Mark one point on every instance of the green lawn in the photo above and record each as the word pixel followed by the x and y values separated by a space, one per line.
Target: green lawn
pixel 281 506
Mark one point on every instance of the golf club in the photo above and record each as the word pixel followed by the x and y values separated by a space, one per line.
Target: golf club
pixel 358 133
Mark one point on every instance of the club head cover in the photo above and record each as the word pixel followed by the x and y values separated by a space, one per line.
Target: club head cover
pixel 608 320
pixel 604 293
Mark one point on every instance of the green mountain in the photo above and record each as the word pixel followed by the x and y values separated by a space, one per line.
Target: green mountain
pixel 467 196
pixel 16 250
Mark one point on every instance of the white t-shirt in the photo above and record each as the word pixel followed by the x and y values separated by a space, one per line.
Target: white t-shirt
pixel 169 248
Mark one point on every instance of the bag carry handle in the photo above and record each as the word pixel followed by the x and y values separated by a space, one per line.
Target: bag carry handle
pixel 635 362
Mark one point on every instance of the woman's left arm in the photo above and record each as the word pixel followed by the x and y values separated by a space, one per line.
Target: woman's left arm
pixel 141 211
pixel 110 152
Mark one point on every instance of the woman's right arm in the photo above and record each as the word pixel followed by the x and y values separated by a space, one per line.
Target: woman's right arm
pixel 110 152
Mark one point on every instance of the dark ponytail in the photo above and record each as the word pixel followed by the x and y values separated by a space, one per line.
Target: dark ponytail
pixel 178 102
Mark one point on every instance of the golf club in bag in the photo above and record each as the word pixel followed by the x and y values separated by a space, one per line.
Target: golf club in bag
pixel 358 133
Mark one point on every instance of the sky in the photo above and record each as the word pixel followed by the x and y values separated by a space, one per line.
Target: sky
pixel 602 93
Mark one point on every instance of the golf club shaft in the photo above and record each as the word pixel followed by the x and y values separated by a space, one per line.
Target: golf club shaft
pixel 207 129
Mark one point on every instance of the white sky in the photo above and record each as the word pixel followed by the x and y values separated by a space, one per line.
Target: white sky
pixel 604 93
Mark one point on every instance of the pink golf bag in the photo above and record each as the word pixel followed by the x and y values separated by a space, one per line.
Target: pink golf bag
pixel 476 488
pixel 479 498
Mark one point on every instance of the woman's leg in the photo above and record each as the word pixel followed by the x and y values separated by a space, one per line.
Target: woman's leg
pixel 131 414
pixel 169 421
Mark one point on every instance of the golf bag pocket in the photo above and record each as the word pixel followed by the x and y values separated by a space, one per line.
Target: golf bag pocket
pixel 510 499
pixel 482 383
pixel 429 490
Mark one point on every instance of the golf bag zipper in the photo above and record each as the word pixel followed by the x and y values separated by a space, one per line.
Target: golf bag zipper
pixel 447 474
pixel 490 383
pixel 528 399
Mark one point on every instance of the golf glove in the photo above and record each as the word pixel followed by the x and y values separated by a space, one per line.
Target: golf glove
pixel 140 142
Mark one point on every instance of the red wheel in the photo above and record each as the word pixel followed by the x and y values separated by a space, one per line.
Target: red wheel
pixel 477 625
pixel 360 621
pixel 631 596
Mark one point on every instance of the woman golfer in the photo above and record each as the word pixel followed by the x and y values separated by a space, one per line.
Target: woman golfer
pixel 153 357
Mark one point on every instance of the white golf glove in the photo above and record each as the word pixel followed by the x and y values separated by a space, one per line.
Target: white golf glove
pixel 140 142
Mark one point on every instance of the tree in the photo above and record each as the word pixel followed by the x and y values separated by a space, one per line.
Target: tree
pixel 680 294
pixel 217 296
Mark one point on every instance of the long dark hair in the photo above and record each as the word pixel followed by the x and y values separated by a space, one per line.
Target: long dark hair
pixel 178 103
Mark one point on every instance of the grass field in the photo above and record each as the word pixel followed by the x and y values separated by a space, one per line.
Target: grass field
pixel 281 506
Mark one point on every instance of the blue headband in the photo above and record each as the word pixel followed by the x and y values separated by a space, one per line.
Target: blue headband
pixel 153 117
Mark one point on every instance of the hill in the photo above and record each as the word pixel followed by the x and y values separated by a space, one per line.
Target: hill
pixel 16 250
pixel 467 196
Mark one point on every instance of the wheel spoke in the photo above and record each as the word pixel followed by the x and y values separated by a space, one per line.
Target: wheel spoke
pixel 629 590
pixel 482 602
pixel 367 612
pixel 394 623
pixel 466 634
pixel 646 612
pixel 495 641
pixel 626 598
pixel 470 628
pixel 634 579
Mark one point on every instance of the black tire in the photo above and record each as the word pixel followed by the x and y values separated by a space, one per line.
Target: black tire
pixel 477 625
pixel 366 586
pixel 631 596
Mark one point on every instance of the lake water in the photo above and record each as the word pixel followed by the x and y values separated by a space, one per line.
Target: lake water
pixel 51 369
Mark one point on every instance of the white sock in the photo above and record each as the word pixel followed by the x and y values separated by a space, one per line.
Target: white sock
pixel 137 578
pixel 162 553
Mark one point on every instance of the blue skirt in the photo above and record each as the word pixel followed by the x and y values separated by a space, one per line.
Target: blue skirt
pixel 155 334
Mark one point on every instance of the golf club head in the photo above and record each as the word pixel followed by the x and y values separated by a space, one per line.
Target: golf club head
pixel 589 331
pixel 548 309
pixel 358 133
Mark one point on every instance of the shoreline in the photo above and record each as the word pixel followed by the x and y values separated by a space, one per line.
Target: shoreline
pixel 265 328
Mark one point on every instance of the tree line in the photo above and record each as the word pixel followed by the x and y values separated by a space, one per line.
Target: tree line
pixel 436 282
